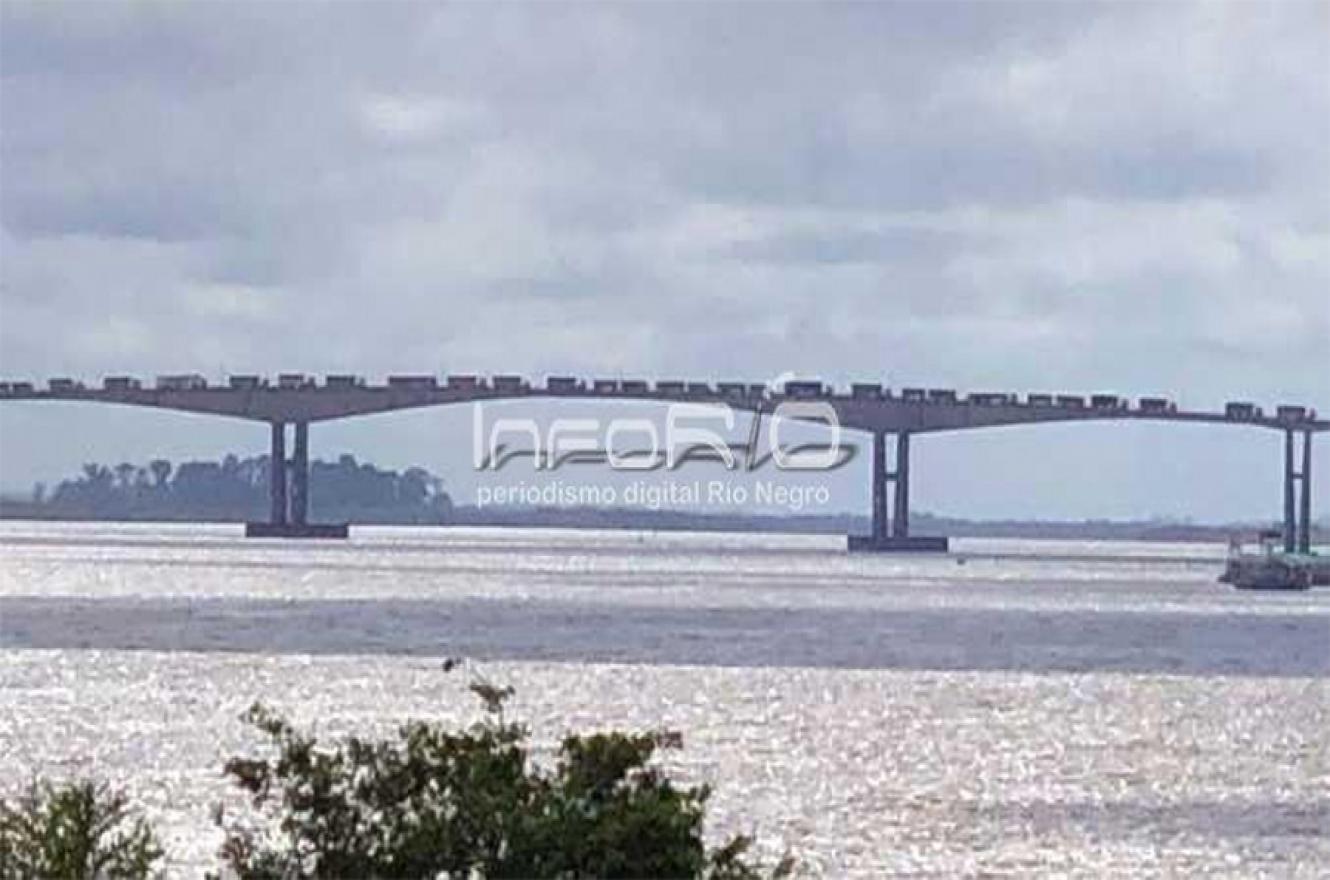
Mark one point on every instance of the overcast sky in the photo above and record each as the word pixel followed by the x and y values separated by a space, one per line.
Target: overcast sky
pixel 1127 197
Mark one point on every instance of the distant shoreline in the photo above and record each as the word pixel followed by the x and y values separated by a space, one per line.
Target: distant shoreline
pixel 670 520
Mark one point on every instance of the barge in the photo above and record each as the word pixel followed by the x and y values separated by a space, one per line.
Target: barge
pixel 1272 569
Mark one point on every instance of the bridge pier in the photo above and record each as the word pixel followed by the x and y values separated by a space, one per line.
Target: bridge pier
pixel 277 475
pixel 1305 532
pixel 891 533
pixel 1297 525
pixel 900 527
pixel 880 519
pixel 300 476
pixel 289 513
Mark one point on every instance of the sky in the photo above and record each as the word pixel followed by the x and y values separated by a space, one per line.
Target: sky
pixel 1129 197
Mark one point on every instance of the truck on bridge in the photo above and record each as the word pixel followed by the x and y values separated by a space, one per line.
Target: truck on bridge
pixel 181 382
pixel 509 384
pixel 1240 410
pixel 564 385
pixel 413 383
pixel 1290 413
pixel 342 381
pixel 1107 402
pixel 246 383
pixel 805 388
pixel 295 381
pixel 1157 405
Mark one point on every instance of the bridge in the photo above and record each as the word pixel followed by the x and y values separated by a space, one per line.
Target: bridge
pixel 298 400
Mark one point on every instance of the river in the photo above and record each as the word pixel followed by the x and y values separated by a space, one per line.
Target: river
pixel 1020 707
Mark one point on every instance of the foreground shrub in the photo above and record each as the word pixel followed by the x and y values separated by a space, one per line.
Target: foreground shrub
pixel 471 803
pixel 75 831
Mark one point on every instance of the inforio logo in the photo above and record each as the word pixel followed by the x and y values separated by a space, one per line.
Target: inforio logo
pixel 692 432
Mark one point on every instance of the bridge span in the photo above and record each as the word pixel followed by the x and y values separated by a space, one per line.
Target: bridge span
pixel 298 400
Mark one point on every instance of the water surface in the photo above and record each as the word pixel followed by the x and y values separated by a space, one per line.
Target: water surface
pixel 1020 707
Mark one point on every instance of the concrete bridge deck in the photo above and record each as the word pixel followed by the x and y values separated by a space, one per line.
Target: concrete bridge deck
pixel 890 412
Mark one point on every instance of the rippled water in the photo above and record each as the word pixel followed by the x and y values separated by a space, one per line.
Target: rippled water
pixel 1023 707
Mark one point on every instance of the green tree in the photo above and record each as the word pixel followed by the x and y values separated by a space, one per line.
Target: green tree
pixel 77 831
pixel 469 804
pixel 161 472
pixel 124 475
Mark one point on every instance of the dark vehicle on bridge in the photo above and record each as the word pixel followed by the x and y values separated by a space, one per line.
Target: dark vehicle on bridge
pixel 914 395
pixel 1157 405
pixel 465 383
pixel 20 388
pixel 563 385
pixel 1240 410
pixel 732 389
pixel 1107 401
pixel 413 383
pixel 295 381
pixel 1288 412
pixel 342 382
pixel 989 398
pixel 1071 401
pixel 182 382
pixel 810 388
pixel 669 386
pixel 757 391
pixel 510 383
pixel 633 386
pixel 941 395
pixel 1039 399
pixel 245 383
pixel 604 386
pixel 121 383
pixel 62 385
pixel 866 390
pixel 4 387
pixel 699 388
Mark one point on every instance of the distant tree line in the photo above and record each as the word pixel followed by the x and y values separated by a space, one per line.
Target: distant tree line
pixel 236 488
pixel 347 490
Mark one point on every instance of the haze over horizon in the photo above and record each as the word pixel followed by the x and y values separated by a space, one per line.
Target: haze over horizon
pixel 1123 197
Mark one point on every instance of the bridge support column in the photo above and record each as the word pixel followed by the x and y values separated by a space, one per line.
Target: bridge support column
pixel 1305 514
pixel 880 518
pixel 277 475
pixel 1297 525
pixel 292 495
pixel 1290 489
pixel 300 475
pixel 891 533
pixel 900 527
